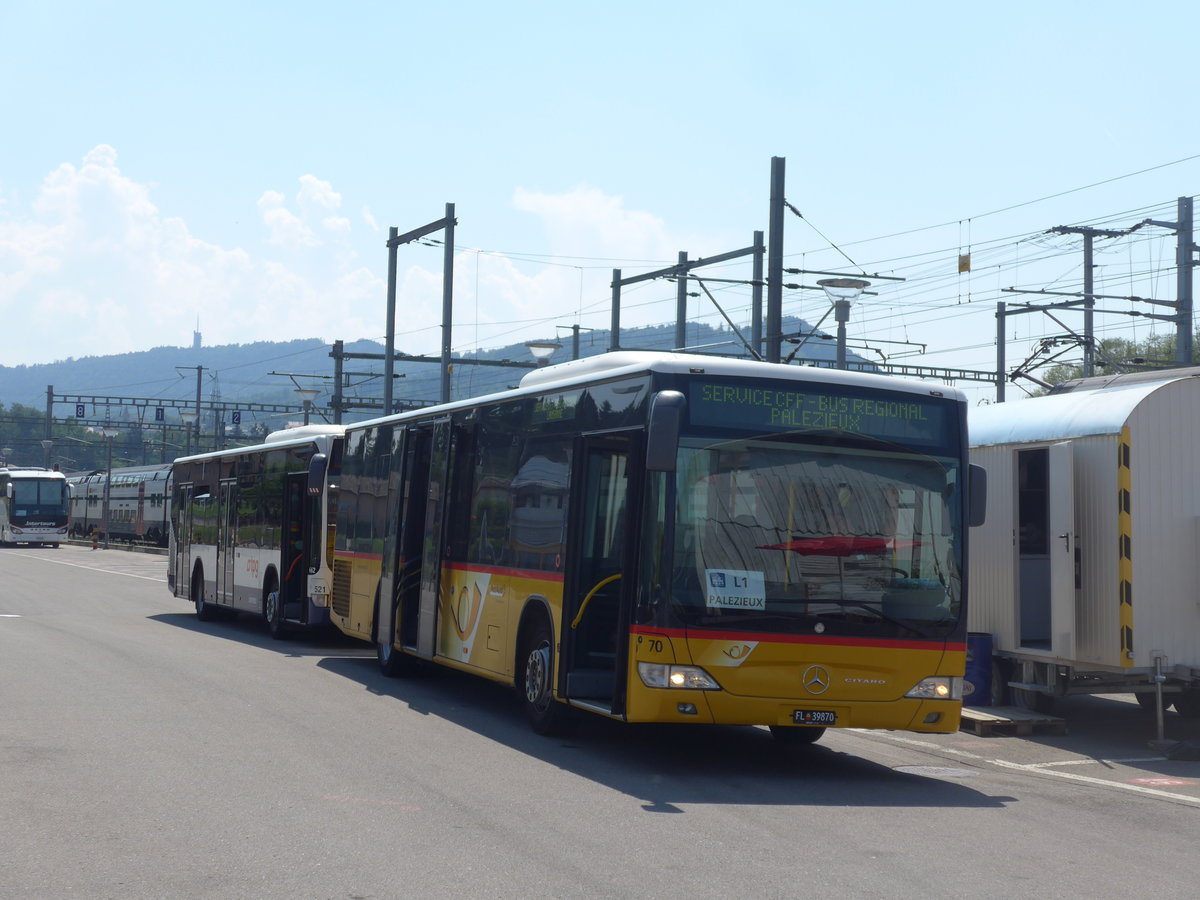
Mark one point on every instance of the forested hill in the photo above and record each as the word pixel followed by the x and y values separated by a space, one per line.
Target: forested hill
pixel 242 373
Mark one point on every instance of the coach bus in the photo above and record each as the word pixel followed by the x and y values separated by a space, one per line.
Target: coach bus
pixel 671 538
pixel 251 529
pixel 34 506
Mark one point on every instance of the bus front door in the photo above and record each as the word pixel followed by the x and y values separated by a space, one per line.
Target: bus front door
pixel 597 600
pixel 293 579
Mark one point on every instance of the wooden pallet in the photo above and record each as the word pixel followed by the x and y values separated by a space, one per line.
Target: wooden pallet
pixel 1009 719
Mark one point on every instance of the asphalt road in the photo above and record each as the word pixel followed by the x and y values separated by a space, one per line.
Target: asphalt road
pixel 145 754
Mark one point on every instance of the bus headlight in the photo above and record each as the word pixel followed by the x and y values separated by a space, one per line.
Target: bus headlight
pixel 937 687
pixel 660 675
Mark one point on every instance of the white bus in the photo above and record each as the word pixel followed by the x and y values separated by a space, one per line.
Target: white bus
pixel 33 506
pixel 251 529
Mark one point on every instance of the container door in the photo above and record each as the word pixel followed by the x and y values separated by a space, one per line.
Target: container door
pixel 1063 550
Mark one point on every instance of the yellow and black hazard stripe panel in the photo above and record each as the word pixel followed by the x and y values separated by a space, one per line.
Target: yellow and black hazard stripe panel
pixel 1125 549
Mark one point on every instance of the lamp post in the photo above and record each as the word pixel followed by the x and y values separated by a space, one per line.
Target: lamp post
pixel 542 351
pixel 307 395
pixel 108 434
pixel 46 445
pixel 842 292
pixel 188 416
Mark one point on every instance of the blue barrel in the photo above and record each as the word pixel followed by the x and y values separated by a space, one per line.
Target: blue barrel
pixel 977 686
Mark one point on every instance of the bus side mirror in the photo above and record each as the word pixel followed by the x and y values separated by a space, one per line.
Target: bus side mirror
pixel 977 499
pixel 662 433
pixel 316 474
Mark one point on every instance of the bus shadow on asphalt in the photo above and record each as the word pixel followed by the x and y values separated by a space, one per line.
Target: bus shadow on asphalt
pixel 252 630
pixel 666 766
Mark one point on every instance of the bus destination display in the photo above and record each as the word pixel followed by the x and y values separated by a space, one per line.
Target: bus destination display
pixel 786 408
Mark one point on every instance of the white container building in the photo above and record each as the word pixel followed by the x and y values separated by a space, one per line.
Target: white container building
pixel 1087 570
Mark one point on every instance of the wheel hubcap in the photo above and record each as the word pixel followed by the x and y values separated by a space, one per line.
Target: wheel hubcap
pixel 537 676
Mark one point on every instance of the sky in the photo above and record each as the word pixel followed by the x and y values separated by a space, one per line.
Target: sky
pixel 237 166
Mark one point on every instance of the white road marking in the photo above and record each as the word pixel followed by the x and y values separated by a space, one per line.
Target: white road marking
pixel 1096 762
pixel 59 562
pixel 1100 782
pixel 1043 769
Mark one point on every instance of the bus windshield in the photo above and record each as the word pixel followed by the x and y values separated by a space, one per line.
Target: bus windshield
pixel 809 536
pixel 37 498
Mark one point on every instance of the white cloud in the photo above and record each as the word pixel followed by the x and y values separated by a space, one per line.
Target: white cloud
pixel 317 193
pixel 91 266
pixel 287 229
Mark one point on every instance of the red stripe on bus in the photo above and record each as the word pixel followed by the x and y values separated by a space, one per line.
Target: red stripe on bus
pixel 770 637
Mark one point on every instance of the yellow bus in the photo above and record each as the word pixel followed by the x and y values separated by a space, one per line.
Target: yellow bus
pixel 660 537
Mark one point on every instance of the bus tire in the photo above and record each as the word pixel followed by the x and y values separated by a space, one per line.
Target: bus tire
pixel 1187 703
pixel 535 674
pixel 393 663
pixel 273 610
pixel 205 611
pixel 796 735
pixel 1146 699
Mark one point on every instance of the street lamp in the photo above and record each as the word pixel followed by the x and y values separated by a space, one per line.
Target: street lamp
pixel 307 395
pixel 841 293
pixel 188 416
pixel 542 351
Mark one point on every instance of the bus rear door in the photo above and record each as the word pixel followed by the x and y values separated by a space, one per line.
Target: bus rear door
pixel 226 542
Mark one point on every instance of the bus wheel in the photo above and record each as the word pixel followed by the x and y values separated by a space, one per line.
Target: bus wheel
pixel 205 611
pixel 796 735
pixel 393 663
pixel 273 612
pixel 1145 699
pixel 1187 704
pixel 546 715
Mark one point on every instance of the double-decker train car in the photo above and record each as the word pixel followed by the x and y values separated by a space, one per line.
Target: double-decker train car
pixel 139 500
